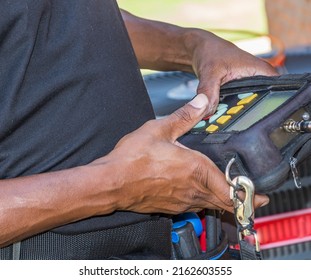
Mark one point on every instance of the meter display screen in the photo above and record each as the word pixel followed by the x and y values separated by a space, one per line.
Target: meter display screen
pixel 264 107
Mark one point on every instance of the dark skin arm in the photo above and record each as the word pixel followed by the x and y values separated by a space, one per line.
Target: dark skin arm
pixel 168 178
pixel 162 46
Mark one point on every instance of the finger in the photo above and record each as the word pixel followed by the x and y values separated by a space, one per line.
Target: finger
pixel 269 68
pixel 185 118
pixel 210 87
pixel 261 200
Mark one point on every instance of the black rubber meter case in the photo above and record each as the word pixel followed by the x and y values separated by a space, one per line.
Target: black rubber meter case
pixel 264 122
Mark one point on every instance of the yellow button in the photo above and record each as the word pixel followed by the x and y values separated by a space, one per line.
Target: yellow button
pixel 235 110
pixel 223 119
pixel 212 128
pixel 247 99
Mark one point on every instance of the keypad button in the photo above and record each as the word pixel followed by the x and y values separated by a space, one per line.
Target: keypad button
pixel 244 95
pixel 200 125
pixel 247 100
pixel 223 119
pixel 234 110
pixel 222 106
pixel 212 128
pixel 217 115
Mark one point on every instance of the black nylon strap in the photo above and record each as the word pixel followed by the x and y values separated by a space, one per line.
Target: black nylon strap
pixel 150 239
pixel 248 252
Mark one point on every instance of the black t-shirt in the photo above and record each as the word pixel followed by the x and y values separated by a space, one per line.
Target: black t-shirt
pixel 70 89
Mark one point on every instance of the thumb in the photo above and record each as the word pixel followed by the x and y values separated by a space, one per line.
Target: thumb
pixel 186 117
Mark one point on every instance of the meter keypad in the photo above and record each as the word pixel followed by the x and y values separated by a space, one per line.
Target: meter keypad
pixel 230 109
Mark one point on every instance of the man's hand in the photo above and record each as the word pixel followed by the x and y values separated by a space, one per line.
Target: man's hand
pixel 147 172
pixel 158 174
pixel 215 61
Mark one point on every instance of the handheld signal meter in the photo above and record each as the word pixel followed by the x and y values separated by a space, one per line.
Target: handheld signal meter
pixel 264 122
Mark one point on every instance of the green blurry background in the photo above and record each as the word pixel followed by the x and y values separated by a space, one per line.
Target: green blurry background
pixel 231 15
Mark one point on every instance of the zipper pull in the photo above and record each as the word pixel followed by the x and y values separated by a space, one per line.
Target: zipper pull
pixel 293 167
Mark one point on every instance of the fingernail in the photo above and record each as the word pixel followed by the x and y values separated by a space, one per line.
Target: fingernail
pixel 200 101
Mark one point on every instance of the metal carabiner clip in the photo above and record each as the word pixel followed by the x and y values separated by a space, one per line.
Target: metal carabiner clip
pixel 243 208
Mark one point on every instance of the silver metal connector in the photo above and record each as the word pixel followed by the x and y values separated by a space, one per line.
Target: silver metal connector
pixel 297 126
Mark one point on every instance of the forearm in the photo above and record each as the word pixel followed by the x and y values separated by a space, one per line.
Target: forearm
pixel 159 45
pixel 33 204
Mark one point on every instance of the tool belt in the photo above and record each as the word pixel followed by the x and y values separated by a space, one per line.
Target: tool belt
pixel 145 240
pixel 200 236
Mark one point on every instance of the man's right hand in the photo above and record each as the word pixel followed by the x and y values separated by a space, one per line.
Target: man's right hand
pixel 147 172
pixel 157 174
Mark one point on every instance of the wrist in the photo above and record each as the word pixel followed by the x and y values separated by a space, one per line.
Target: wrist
pixel 203 47
pixel 102 187
pixel 193 39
